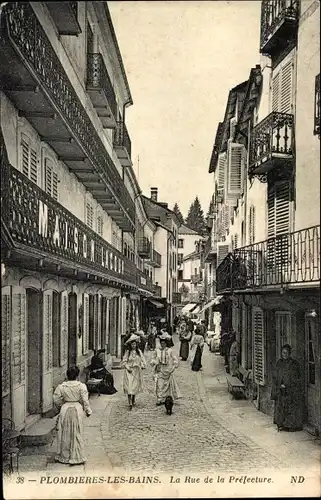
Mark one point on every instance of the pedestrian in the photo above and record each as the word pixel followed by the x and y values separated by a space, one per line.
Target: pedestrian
pixel 287 393
pixel 196 346
pixel 143 340
pixel 133 362
pixel 184 336
pixel 71 397
pixel 151 340
pixel 202 328
pixel 234 356
pixel 165 362
pixel 98 370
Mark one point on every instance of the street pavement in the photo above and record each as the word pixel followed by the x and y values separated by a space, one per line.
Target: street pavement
pixel 208 431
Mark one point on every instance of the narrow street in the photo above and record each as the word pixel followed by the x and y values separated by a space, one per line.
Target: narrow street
pixel 208 431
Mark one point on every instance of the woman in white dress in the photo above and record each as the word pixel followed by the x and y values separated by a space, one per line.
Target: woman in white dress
pixel 165 363
pixel 133 362
pixel 196 346
pixel 72 398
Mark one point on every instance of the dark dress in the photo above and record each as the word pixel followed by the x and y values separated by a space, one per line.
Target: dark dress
pixel 99 371
pixel 288 410
pixel 184 348
pixel 197 361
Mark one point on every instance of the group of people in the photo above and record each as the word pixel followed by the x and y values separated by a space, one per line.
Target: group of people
pixel 192 340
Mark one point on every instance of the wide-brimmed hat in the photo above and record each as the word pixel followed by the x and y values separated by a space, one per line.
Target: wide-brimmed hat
pixel 132 338
pixel 164 336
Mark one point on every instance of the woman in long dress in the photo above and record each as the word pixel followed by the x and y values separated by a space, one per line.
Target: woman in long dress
pixel 287 393
pixel 196 346
pixel 72 398
pixel 185 336
pixel 164 363
pixel 98 370
pixel 133 363
pixel 234 356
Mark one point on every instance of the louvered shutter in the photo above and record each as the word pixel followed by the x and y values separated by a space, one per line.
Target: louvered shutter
pixel 5 338
pixel 259 348
pixel 252 224
pixel 286 87
pixel 89 215
pixel 282 208
pixel 64 328
pixel 100 225
pixel 85 335
pixel 18 353
pixel 232 127
pixel 47 375
pixel 276 91
pixel 51 179
pixel 222 165
pixel 222 251
pixel 235 169
pixel 29 159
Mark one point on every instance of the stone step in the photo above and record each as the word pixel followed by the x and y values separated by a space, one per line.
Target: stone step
pixel 40 433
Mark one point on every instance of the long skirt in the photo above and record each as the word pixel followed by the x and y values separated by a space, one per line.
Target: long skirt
pixel 197 359
pixel 288 412
pixel 133 382
pixel 233 365
pixel 184 350
pixel 166 385
pixel 70 438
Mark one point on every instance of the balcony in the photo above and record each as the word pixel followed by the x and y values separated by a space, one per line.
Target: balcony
pixel 272 144
pixel 290 259
pixel 177 298
pixel 34 79
pixel 100 90
pixel 157 291
pixel 122 144
pixel 317 101
pixel 41 233
pixel 155 259
pixel 144 283
pixel 279 25
pixel 143 248
pixel 65 17
pixel 210 250
pixel 196 279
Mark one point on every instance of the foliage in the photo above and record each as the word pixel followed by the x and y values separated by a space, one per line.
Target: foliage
pixel 178 213
pixel 195 217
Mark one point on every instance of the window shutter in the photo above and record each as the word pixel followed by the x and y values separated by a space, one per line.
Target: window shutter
pixel 259 351
pixel 64 328
pixel 24 156
pixel 235 169
pixel 271 211
pixel 252 224
pixel 276 90
pixel 51 179
pixel 29 159
pixel 286 87
pixel 282 208
pixel 47 351
pixel 5 338
pixel 33 165
pixel 222 251
pixel 89 215
pixel 221 172
pixel 18 353
pixel 100 225
pixel 85 335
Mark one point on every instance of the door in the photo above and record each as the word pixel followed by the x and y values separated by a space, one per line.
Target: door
pixel 72 330
pixel 312 372
pixel 112 326
pixel 18 355
pixel 6 316
pixel 34 350
pixel 47 370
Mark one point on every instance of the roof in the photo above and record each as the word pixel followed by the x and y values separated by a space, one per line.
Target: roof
pixel 252 95
pixel 185 229
pixel 192 255
pixel 159 207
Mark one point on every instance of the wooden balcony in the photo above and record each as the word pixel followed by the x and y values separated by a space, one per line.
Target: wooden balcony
pixel 317 105
pixel 65 17
pixel 291 259
pixel 143 248
pixel 272 144
pixel 35 80
pixel 279 25
pixel 155 259
pixel 42 233
pixel 100 90
pixel 122 144
pixel 177 298
pixel 210 250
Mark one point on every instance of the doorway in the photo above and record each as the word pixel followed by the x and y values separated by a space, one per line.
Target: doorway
pixel 72 329
pixel 312 373
pixel 34 349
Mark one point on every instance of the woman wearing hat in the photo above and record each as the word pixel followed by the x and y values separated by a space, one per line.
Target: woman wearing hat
pixel 133 362
pixel 165 363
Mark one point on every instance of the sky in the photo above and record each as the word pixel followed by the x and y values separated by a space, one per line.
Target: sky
pixel 181 59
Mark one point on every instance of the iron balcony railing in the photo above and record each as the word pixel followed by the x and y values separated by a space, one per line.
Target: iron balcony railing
pixel 30 40
pixel 288 259
pixel 157 291
pixel 272 142
pixel 98 78
pixel 210 249
pixel 278 18
pixel 143 247
pixel 177 298
pixel 156 258
pixel 35 220
pixel 121 138
pixel 317 106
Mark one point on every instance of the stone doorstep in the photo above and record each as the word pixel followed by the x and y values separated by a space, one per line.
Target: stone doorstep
pixel 40 433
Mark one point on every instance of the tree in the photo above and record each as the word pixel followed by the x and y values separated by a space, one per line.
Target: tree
pixel 184 291
pixel 211 207
pixel 195 217
pixel 177 211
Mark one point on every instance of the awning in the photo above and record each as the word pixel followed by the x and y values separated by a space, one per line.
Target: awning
pixel 188 308
pixel 159 305
pixel 196 310
pixel 213 302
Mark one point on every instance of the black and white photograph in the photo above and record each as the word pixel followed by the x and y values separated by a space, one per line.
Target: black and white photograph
pixel 160 249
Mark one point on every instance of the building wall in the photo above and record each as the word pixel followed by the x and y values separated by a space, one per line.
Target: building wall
pixel 160 242
pixel 307 177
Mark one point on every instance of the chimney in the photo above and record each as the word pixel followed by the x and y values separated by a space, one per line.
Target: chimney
pixel 153 194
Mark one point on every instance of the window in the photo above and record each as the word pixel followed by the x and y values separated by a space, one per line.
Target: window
pixel 252 224
pixel 89 215
pixel 235 168
pixel 180 275
pixel 282 86
pixel 180 243
pixel 180 257
pixel 51 179
pixel 100 225
pixel 29 159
